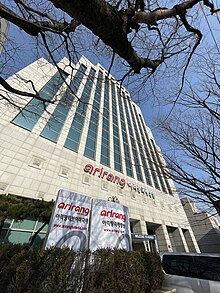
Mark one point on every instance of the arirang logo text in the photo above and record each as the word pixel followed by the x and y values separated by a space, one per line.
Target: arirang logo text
pixel 113 214
pixel 73 207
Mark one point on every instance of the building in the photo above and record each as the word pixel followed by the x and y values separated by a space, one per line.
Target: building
pixel 205 227
pixel 92 140
pixel 4 25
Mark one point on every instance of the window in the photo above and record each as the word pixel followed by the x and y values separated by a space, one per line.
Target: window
pixel 120 191
pixel 74 135
pixel 127 155
pixel 140 147
pixel 104 185
pixel 90 146
pixel 31 113
pixel 105 127
pixel 198 266
pixel 179 265
pixel 64 172
pixel 20 232
pixel 155 169
pixel 133 142
pixel 86 179
pixel 37 162
pixel 116 141
pixel 161 168
pixel 54 125
pixel 208 267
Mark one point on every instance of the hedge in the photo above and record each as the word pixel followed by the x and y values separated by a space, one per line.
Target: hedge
pixel 61 270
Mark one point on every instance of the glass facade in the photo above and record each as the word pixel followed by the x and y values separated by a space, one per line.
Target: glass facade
pixel 127 155
pixel 141 150
pixel 105 126
pixel 133 141
pixel 74 135
pixel 20 232
pixel 147 152
pixel 126 123
pixel 161 168
pixel 91 140
pixel 31 113
pixel 116 140
pixel 158 170
pixel 55 123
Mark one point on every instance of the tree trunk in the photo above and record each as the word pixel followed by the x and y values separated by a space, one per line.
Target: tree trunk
pixel 33 237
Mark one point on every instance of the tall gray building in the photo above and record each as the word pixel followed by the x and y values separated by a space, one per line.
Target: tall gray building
pixel 92 139
pixel 205 227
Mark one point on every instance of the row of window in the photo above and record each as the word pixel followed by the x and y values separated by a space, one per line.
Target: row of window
pixel 147 152
pixel 54 125
pixel 156 161
pixel 31 113
pixel 74 135
pixel 127 155
pixel 143 150
pixel 116 140
pixel 133 141
pixel 105 127
pixel 91 141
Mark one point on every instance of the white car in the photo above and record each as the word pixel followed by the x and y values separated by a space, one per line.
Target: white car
pixel 191 272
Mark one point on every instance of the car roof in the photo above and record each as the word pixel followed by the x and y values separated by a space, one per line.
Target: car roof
pixel 190 254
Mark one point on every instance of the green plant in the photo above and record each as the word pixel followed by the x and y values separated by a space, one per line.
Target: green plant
pixel 61 270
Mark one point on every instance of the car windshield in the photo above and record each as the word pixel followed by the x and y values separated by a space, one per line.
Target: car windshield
pixel 202 267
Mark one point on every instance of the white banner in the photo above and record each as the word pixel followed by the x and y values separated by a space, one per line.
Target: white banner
pixel 69 226
pixel 110 226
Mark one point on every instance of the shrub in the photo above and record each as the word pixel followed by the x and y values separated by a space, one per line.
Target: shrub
pixel 62 270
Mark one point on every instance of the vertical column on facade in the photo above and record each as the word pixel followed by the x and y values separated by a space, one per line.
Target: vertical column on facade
pixel 179 240
pixel 129 162
pixel 190 240
pixel 116 133
pixel 163 238
pixel 76 88
pixel 162 167
pixel 111 133
pixel 121 126
pixel 101 80
pixel 140 148
pixel 140 228
pixel 76 129
pixel 133 142
pixel 147 154
pixel 158 167
pixel 150 155
pixel 105 143
pixel 153 155
pixel 93 122
pixel 89 113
